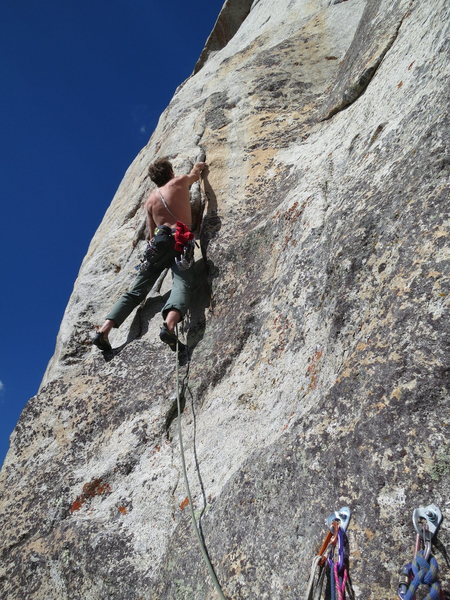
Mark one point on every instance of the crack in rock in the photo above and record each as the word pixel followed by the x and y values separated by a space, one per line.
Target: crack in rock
pixel 357 89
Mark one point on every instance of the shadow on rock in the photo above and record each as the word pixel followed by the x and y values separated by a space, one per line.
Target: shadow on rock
pixel 211 222
pixel 196 321
pixel 139 325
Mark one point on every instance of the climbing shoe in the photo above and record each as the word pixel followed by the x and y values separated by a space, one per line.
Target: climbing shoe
pixel 101 342
pixel 169 338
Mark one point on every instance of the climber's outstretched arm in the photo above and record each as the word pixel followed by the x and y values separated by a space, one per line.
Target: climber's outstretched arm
pixel 195 173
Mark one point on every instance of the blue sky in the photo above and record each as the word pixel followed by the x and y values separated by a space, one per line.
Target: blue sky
pixel 83 86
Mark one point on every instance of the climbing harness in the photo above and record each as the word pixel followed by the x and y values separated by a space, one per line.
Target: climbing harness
pixel 324 562
pixel 159 246
pixel 423 570
pixel 201 541
pixel 184 243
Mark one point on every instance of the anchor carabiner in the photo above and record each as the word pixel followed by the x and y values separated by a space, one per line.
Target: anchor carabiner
pixel 426 521
pixel 337 520
pixel 342 516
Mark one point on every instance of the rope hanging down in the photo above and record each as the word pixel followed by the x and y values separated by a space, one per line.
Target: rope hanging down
pixel 201 541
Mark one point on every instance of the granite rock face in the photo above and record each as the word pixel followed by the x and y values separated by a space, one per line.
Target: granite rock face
pixel 319 374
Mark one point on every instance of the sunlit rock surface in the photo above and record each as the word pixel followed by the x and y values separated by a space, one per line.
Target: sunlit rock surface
pixel 320 360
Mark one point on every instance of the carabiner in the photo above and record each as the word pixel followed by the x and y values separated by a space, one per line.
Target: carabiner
pixel 426 521
pixel 342 516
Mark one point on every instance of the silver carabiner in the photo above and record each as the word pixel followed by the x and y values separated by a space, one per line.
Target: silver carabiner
pixel 426 521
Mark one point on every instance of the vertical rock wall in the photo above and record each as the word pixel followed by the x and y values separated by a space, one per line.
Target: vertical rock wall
pixel 319 371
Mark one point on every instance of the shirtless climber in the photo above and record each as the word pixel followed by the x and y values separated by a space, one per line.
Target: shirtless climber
pixel 169 220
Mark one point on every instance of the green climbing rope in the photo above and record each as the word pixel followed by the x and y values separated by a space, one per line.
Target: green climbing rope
pixel 188 489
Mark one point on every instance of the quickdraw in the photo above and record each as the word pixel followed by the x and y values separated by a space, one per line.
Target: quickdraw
pixel 325 563
pixel 423 570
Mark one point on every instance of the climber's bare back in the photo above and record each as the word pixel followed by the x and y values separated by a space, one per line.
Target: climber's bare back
pixel 176 194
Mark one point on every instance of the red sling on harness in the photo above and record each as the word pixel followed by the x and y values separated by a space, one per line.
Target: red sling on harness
pixel 182 236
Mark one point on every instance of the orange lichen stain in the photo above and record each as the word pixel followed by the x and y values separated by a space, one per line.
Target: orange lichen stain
pixel 184 503
pixel 312 370
pixel 293 213
pixel 123 510
pixel 76 505
pixel 96 487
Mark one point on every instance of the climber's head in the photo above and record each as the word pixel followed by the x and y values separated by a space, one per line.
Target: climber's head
pixel 161 171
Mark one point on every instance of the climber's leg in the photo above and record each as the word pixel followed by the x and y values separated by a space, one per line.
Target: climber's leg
pixel 177 304
pixel 124 306
pixel 130 299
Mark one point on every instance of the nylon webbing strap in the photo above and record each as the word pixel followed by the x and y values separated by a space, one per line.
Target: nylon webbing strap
pixel 165 205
